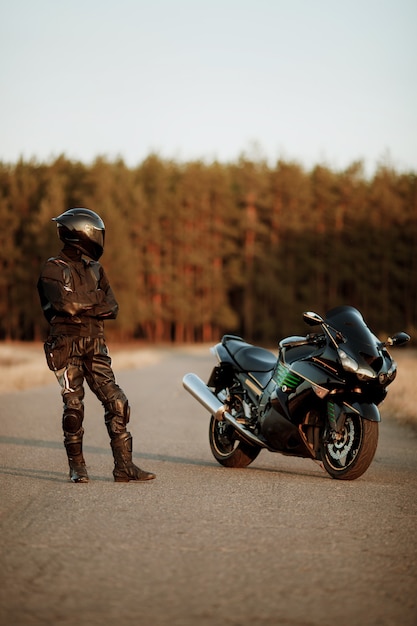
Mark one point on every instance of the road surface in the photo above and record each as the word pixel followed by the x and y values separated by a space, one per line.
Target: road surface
pixel 278 543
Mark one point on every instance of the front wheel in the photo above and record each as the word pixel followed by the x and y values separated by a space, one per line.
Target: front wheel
pixel 348 454
pixel 226 446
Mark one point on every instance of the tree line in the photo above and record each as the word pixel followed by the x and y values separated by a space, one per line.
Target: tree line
pixel 197 249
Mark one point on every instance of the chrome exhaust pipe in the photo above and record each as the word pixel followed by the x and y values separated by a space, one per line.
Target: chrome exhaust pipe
pixel 199 390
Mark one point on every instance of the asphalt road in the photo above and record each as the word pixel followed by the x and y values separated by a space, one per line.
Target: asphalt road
pixel 278 543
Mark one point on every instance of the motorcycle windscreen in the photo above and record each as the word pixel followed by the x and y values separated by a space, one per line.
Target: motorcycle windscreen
pixel 360 340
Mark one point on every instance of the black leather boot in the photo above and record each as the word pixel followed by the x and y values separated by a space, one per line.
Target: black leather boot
pixel 73 443
pixel 124 468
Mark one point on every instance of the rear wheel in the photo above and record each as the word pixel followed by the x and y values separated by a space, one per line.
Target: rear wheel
pixel 349 454
pixel 226 446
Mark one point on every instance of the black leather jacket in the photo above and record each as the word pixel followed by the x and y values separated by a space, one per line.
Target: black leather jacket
pixel 75 295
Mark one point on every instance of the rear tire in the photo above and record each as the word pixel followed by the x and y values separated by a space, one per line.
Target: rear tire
pixel 350 456
pixel 227 448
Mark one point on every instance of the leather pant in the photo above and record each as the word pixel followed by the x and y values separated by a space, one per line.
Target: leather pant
pixel 88 360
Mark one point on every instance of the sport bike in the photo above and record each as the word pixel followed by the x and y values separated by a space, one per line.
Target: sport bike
pixel 317 399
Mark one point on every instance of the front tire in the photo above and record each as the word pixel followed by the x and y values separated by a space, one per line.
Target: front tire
pixel 350 455
pixel 227 448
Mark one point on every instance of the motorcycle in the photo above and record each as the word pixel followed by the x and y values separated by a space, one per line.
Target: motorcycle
pixel 318 399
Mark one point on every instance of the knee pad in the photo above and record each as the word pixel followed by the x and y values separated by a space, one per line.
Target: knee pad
pixel 117 414
pixel 74 402
pixel 72 421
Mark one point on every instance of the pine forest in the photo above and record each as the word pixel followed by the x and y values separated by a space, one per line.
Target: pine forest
pixel 195 250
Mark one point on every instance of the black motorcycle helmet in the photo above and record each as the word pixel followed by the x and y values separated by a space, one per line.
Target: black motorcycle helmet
pixel 82 229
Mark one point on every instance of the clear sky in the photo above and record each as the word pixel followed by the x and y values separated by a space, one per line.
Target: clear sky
pixel 316 81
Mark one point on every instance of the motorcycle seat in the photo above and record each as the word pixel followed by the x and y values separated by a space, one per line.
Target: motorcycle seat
pixel 251 358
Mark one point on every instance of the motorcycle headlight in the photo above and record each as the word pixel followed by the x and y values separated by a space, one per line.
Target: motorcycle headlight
pixel 392 373
pixel 351 365
pixel 348 364
pixel 392 370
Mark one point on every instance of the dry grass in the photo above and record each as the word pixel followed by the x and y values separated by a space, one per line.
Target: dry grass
pixel 401 402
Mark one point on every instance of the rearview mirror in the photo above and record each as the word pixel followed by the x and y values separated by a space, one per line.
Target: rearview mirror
pixel 398 340
pixel 312 319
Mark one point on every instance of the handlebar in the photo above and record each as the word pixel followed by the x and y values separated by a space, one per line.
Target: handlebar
pixel 311 339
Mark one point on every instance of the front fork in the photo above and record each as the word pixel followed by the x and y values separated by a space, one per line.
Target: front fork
pixel 336 417
pixel 337 414
pixel 325 426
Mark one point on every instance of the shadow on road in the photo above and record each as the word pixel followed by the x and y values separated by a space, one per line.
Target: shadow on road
pixel 56 445
pixel 57 476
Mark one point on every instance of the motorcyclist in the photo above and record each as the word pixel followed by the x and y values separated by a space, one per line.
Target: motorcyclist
pixel 76 298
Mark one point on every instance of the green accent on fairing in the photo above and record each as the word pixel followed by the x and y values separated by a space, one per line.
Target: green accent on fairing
pixel 331 412
pixel 284 377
